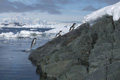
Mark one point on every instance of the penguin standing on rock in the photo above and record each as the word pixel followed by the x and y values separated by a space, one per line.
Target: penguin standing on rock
pixel 58 34
pixel 33 43
pixel 72 27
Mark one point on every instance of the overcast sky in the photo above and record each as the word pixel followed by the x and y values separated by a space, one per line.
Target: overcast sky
pixel 52 10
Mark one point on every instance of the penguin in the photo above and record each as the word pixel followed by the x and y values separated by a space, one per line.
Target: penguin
pixel 72 27
pixel 33 43
pixel 58 34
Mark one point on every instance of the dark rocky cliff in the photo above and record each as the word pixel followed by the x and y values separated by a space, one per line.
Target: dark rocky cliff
pixel 86 53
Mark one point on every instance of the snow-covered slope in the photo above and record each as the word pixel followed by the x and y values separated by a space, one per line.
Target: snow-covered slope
pixel 112 10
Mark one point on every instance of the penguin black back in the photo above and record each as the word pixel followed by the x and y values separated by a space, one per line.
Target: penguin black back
pixel 72 27
pixel 58 34
pixel 33 43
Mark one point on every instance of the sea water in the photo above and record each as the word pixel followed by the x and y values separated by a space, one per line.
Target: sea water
pixel 14 52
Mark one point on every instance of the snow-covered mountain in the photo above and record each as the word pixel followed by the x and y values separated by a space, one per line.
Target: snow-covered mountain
pixel 23 21
pixel 112 10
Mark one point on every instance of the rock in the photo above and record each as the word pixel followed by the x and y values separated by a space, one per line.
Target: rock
pixel 110 72
pixel 99 74
pixel 86 53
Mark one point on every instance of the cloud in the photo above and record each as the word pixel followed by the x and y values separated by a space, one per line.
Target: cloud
pixel 16 6
pixel 101 3
pixel 49 6
pixel 56 1
pixel 89 8
pixel 108 1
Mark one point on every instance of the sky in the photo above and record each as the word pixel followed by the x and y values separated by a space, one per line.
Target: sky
pixel 52 10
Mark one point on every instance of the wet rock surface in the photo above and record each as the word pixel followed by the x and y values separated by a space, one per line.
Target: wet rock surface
pixel 86 53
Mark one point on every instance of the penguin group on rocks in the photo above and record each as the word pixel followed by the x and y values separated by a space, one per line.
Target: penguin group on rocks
pixel 57 35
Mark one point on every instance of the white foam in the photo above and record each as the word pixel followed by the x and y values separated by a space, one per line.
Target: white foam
pixel 33 29
pixel 21 34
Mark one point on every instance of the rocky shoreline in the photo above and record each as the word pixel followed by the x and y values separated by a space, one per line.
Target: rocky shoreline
pixel 86 53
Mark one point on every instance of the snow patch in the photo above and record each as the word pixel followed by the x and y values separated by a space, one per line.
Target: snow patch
pixel 112 10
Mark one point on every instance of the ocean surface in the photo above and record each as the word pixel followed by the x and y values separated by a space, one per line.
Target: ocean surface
pixel 15 30
pixel 14 52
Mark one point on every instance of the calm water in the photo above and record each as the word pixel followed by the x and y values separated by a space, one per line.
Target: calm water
pixel 14 63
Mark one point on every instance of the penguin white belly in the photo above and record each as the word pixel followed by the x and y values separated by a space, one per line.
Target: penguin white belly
pixel 33 43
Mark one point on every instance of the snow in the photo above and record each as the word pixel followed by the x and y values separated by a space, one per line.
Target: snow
pixel 60 27
pixel 112 10
pixel 25 21
pixel 38 26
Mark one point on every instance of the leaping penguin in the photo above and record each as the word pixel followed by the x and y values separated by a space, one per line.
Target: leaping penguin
pixel 72 27
pixel 33 43
pixel 58 34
